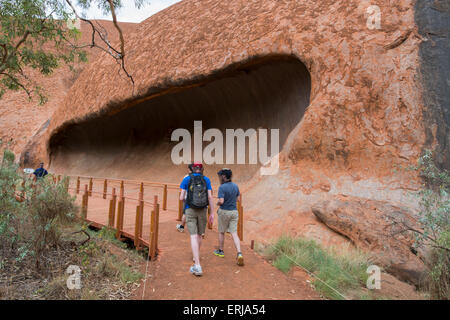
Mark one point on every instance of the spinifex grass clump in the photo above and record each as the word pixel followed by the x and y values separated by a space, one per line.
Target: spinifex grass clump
pixel 343 271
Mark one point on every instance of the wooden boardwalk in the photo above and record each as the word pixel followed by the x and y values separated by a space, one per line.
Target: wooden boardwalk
pixel 140 199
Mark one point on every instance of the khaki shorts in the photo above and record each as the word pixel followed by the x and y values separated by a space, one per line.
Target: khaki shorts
pixel 228 220
pixel 196 220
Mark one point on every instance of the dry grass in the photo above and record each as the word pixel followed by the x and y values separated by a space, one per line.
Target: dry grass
pixel 104 274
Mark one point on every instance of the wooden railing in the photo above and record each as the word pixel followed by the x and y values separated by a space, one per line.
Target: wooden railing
pixel 116 208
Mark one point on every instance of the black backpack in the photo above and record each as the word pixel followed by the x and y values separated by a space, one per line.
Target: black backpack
pixel 197 196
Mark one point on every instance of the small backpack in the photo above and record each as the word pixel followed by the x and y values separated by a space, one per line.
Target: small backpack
pixel 197 196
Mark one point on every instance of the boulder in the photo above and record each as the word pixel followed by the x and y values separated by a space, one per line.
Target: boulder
pixel 375 226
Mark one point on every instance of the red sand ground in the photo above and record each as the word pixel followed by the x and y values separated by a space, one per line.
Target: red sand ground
pixel 168 277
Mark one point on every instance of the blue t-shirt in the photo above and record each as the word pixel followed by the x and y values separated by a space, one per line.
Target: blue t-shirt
pixel 40 172
pixel 229 191
pixel 185 184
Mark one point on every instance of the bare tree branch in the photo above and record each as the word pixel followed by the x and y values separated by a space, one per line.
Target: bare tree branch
pixel 120 55
pixel 17 83
pixel 405 228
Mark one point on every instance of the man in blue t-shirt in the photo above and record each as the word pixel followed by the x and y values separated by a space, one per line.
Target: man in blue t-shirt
pixel 228 214
pixel 196 217
pixel 40 172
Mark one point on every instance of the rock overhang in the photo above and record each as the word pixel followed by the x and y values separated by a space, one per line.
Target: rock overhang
pixel 356 97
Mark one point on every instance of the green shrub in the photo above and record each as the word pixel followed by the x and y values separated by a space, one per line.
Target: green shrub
pixel 434 221
pixel 30 213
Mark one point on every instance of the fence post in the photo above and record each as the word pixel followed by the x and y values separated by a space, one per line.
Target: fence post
pixel 110 213
pixel 122 191
pixel 151 242
pixel 105 188
pixel 141 212
pixel 84 203
pixel 165 198
pixel 78 185
pixel 113 207
pixel 180 207
pixel 120 213
pixel 90 187
pixel 241 222
pixel 156 208
pixel 137 228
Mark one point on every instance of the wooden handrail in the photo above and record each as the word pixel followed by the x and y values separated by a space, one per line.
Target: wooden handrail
pixel 116 216
pixel 161 184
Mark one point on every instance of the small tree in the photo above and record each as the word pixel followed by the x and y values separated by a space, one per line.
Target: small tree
pixel 435 222
pixel 35 34
pixel 31 213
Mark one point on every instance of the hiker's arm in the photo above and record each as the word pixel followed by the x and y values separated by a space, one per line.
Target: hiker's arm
pixel 211 207
pixel 211 200
pixel 182 194
pixel 220 201
pixel 239 199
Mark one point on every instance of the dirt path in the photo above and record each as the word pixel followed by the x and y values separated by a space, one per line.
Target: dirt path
pixel 169 276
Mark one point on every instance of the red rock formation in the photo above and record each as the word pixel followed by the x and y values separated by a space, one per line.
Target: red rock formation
pixel 364 119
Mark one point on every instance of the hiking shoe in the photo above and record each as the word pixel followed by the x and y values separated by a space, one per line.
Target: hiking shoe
pixel 180 227
pixel 219 253
pixel 240 259
pixel 196 270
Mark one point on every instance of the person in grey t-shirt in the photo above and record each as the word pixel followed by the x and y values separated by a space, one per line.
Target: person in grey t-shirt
pixel 228 214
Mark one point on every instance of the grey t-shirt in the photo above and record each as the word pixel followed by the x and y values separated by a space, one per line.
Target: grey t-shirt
pixel 229 191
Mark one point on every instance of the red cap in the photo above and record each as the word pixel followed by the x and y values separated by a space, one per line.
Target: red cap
pixel 197 164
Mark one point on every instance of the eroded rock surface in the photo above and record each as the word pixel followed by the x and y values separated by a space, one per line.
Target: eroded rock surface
pixel 375 226
pixel 372 108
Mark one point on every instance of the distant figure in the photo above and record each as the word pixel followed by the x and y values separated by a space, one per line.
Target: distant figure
pixel 180 227
pixel 199 195
pixel 228 214
pixel 40 172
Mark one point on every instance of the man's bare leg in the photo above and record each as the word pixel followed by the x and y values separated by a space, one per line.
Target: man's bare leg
pixel 199 237
pixel 237 241
pixel 221 240
pixel 195 245
pixel 237 244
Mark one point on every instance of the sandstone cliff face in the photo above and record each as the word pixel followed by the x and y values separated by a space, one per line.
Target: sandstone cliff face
pixel 365 112
pixel 365 116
